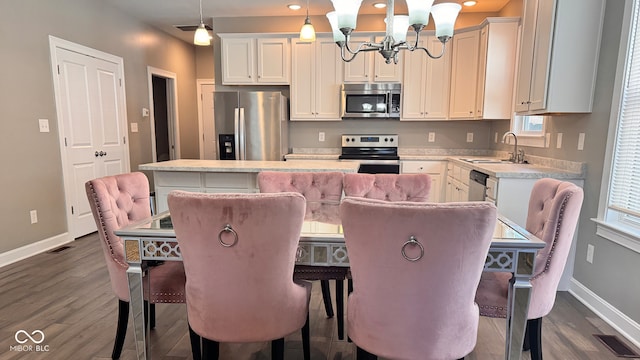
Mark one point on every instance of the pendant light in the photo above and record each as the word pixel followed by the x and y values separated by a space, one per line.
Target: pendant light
pixel 307 32
pixel 201 36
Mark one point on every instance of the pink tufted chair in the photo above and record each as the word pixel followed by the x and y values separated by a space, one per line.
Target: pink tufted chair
pixel 239 253
pixel 389 187
pixel 554 208
pixel 314 186
pixel 115 202
pixel 407 304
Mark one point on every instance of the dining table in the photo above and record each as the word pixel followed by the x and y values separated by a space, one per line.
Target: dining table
pixel 322 254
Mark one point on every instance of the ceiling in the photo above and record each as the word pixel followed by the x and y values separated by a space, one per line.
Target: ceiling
pixel 165 14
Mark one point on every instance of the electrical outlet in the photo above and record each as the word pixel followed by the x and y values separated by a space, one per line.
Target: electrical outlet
pixel 590 250
pixel 34 216
pixel 321 136
pixel 145 112
pixel 432 137
pixel 559 141
pixel 469 137
pixel 495 137
pixel 43 125
pixel 581 141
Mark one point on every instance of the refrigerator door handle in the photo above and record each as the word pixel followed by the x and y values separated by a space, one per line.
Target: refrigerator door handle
pixel 243 145
pixel 236 132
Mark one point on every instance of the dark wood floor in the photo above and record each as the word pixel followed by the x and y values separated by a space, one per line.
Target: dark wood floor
pixel 68 297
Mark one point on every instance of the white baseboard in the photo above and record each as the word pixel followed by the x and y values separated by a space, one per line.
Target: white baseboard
pixel 626 326
pixel 41 246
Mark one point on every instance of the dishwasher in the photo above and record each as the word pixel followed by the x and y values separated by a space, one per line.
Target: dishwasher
pixel 477 185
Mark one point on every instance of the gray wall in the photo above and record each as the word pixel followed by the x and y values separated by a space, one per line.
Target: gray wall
pixel 32 171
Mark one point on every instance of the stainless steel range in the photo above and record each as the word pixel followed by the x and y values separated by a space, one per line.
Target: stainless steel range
pixel 377 154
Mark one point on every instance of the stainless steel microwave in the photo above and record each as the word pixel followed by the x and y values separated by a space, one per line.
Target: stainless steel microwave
pixel 375 101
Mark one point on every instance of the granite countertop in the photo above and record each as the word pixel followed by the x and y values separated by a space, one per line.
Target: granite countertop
pixel 519 171
pixel 537 167
pixel 250 166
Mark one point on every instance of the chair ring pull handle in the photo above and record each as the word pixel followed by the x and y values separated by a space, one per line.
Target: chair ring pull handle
pixel 228 228
pixel 412 241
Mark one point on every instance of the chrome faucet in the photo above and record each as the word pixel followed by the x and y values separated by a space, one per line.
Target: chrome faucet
pixel 514 156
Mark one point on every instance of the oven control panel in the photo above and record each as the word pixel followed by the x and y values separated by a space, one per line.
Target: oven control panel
pixel 370 140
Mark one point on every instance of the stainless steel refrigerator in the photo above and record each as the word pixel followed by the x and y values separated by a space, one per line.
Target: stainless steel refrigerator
pixel 251 125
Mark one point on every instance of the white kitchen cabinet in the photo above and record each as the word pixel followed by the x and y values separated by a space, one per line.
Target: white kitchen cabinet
pixel 457 186
pixel 464 75
pixel 167 181
pixel 496 68
pixel 558 57
pixel 316 76
pixel 371 66
pixel 433 168
pixel 248 59
pixel 425 87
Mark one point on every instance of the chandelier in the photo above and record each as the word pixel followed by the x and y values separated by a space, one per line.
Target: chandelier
pixel 343 23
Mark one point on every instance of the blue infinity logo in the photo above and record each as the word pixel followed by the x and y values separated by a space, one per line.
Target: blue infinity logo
pixel 29 336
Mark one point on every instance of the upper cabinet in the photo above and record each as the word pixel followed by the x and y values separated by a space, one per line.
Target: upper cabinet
pixel 250 60
pixel 464 75
pixel 370 66
pixel 496 68
pixel 425 86
pixel 316 79
pixel 558 59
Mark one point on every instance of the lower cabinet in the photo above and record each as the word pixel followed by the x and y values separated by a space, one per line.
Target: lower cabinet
pixel 434 168
pixel 457 187
pixel 208 182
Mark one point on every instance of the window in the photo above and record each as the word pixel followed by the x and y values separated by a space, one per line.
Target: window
pixel 530 129
pixel 619 211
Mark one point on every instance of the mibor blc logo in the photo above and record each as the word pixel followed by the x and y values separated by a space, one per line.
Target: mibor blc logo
pixel 29 342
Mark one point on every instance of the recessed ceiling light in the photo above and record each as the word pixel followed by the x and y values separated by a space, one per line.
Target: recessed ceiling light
pixel 294 7
pixel 379 5
pixel 469 3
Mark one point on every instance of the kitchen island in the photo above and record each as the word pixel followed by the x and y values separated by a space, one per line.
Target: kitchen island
pixel 230 176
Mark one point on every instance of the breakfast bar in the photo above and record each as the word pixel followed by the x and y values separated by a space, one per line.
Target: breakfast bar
pixel 215 176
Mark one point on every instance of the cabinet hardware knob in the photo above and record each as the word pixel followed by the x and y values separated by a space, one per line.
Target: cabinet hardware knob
pixel 97 154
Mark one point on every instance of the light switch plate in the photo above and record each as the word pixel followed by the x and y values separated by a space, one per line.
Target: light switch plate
pixel 145 112
pixel 44 125
pixel 432 137
pixel 469 137
pixel 134 127
pixel 495 137
pixel 559 141
pixel 581 141
pixel 321 136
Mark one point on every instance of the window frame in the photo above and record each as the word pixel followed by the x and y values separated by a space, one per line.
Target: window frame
pixel 529 138
pixel 610 223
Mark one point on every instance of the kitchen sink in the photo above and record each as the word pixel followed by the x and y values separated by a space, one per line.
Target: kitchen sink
pixel 487 161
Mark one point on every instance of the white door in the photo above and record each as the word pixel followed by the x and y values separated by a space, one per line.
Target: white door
pixel 209 147
pixel 91 114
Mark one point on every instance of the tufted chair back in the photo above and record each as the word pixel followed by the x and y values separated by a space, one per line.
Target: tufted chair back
pixel 116 201
pixel 239 254
pixel 314 186
pixel 554 208
pixel 388 187
pixel 423 309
